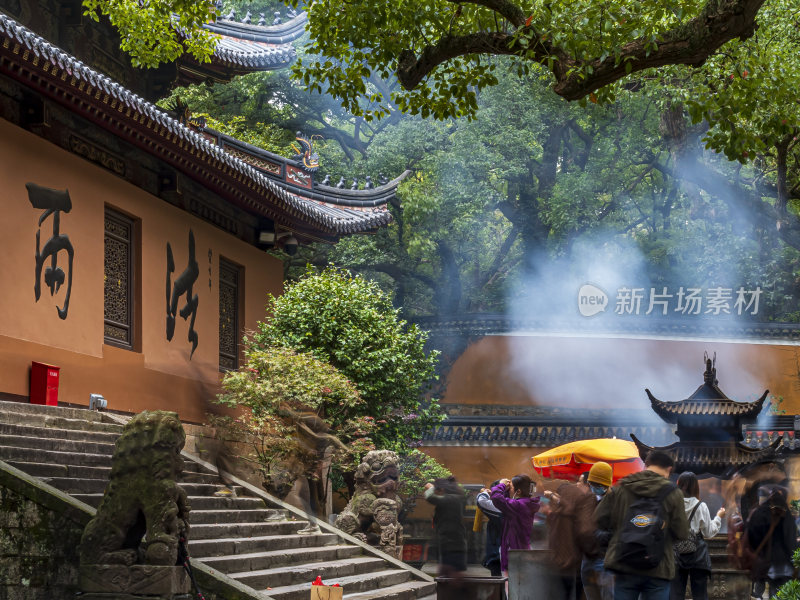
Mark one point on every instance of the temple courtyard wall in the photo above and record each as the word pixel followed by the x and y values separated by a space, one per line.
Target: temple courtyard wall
pixel 138 368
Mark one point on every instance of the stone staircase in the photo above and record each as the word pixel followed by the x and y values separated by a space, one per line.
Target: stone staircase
pixel 251 538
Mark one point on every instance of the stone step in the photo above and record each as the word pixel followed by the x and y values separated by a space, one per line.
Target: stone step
pixel 24 408
pixel 43 470
pixel 363 582
pixel 410 590
pixel 214 503
pixel 306 573
pixel 57 422
pixel 82 485
pixel 237 546
pixel 214 531
pixel 59 445
pixel 196 502
pixel 271 559
pixel 58 432
pixel 258 515
pixel 54 457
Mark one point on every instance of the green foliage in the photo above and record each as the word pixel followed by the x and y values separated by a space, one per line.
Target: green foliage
pixel 789 591
pixel 158 31
pixel 296 408
pixel 454 45
pixel 416 469
pixel 350 323
pixel 748 93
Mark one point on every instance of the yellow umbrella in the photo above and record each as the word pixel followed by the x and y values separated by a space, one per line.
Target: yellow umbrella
pixel 570 460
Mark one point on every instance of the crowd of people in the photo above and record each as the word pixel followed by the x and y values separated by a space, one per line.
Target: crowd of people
pixel 643 537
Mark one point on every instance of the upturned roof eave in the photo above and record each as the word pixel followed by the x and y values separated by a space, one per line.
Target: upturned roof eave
pixel 671 412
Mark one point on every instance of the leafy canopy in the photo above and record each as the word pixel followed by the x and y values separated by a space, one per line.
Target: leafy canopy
pixel 440 50
pixel 158 31
pixel 350 323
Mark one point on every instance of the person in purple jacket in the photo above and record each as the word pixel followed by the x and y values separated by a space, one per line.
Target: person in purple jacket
pixel 513 499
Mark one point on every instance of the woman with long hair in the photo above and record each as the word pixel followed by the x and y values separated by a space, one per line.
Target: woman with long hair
pixel 513 498
pixel 694 566
pixel 772 536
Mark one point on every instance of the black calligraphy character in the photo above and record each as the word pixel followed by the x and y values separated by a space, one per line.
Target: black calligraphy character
pixel 54 202
pixel 183 285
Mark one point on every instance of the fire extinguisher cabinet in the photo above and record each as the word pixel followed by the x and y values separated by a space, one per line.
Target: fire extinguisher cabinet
pixel 44 384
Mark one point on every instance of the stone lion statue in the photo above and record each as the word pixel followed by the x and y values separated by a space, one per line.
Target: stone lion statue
pixel 143 513
pixel 371 514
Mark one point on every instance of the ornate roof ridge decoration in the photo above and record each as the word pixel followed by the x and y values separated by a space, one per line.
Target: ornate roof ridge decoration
pixel 707 401
pixel 41 66
pixel 277 33
pixel 291 175
pixel 482 324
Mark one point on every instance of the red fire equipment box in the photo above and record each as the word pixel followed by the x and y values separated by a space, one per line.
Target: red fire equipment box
pixel 44 384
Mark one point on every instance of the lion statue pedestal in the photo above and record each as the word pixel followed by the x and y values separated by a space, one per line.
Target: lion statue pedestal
pixel 129 550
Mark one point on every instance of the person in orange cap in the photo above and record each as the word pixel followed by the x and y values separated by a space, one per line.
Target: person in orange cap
pixel 598 584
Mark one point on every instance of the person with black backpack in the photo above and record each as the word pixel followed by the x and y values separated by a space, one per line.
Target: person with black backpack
pixel 645 515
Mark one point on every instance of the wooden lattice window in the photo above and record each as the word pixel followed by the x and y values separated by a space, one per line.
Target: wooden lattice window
pixel 229 278
pixel 118 282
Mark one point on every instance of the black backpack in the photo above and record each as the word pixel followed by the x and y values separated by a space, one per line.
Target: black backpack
pixel 641 542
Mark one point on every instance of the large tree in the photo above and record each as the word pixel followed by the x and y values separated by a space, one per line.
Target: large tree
pixel 440 51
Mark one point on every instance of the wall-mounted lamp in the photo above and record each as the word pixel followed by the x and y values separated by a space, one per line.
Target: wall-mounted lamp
pixel 284 240
pixel 97 402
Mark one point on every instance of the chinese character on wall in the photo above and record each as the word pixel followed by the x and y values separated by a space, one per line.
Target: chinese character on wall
pixel 53 202
pixel 183 285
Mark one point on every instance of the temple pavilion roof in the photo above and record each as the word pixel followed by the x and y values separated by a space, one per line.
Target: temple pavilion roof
pixel 222 165
pixel 246 44
pixel 707 402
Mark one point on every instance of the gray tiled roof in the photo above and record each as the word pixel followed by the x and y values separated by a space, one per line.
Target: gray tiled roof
pixel 263 192
pixel 254 55
pixel 282 33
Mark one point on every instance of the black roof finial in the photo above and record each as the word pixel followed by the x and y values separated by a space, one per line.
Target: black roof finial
pixel 340 185
pixel 277 19
pixel 710 376
pixel 326 180
pixel 246 19
pixel 262 20
pixel 355 184
pixel 291 13
pixel 368 183
pixel 231 16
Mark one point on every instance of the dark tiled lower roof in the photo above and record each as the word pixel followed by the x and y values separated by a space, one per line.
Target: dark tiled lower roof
pixel 62 76
pixel 475 324
pixel 533 436
pixel 715 457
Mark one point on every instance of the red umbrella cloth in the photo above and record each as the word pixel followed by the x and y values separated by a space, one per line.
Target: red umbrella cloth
pixel 570 460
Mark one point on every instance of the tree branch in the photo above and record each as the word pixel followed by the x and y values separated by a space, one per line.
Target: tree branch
pixel 508 10
pixel 689 43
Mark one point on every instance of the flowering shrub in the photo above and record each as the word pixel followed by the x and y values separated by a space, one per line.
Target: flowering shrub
pixel 298 412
